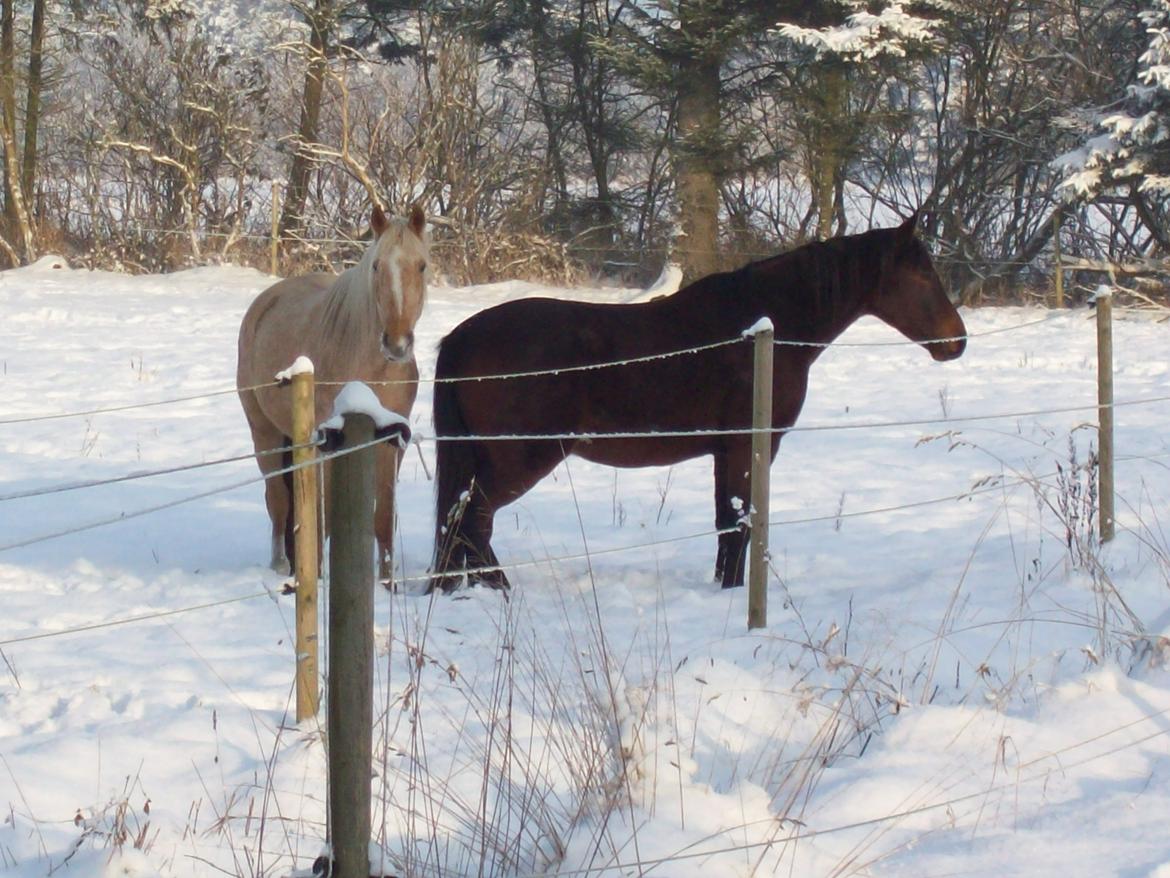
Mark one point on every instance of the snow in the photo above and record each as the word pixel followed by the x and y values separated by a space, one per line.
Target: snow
pixel 356 398
pixel 1121 146
pixel 866 35
pixel 667 283
pixel 761 325
pixel 946 685
pixel 302 365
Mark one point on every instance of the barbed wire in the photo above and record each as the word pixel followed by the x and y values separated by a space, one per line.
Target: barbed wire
pixel 700 349
pixel 997 487
pixel 142 617
pixel 202 495
pixel 748 431
pixel 85 413
pixel 27 419
pixel 136 476
pixel 576 437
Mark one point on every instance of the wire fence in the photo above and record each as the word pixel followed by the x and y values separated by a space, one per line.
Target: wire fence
pixel 512 437
pixel 996 486
pixel 627 361
pixel 506 437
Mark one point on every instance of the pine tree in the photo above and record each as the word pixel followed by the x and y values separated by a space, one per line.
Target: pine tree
pixel 836 62
pixel 1125 151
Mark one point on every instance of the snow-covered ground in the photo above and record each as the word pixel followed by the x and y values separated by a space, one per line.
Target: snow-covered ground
pixel 945 686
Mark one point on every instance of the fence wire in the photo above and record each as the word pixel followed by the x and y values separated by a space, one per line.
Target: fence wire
pixel 171 504
pixel 814 428
pixel 147 474
pixel 28 419
pixel 85 413
pixel 129 620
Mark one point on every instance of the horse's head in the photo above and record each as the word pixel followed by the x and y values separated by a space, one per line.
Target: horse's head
pixel 397 266
pixel 910 296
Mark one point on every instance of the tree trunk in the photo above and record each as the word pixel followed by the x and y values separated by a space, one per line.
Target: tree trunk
pixel 553 121
pixel 696 158
pixel 8 103
pixel 829 150
pixel 32 109
pixel 20 220
pixel 321 23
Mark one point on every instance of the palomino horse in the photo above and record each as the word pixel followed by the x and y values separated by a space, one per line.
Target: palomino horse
pixel 356 326
pixel 811 294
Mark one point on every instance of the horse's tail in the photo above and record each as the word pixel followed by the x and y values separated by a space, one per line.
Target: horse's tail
pixel 454 468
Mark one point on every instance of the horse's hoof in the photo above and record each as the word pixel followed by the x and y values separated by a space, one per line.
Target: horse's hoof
pixel 494 582
pixel 445 582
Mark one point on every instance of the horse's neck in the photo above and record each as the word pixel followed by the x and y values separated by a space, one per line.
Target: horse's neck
pixel 811 298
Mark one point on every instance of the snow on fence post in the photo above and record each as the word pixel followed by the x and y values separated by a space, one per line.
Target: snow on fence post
pixel 1104 302
pixel 306 534
pixel 764 335
pixel 358 419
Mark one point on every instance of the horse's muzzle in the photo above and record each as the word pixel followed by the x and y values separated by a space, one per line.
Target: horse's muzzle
pixel 947 350
pixel 398 350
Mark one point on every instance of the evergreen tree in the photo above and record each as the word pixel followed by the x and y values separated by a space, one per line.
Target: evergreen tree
pixel 1125 151
pixel 836 65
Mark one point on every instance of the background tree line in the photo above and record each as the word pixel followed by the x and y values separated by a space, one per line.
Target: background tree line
pixel 560 138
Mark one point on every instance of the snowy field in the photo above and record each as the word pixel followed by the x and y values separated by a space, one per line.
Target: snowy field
pixel 955 680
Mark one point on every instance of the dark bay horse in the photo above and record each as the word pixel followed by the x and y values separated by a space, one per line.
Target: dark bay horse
pixel 811 294
pixel 356 326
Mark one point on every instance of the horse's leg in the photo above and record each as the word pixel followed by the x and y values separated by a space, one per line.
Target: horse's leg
pixel 277 499
pixel 455 476
pixel 732 503
pixel 725 516
pixel 504 472
pixel 479 552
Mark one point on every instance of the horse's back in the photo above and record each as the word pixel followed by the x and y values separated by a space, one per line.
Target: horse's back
pixel 542 332
pixel 283 299
pixel 583 367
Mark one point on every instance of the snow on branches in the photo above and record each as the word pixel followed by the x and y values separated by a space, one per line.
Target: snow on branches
pixel 864 34
pixel 1127 143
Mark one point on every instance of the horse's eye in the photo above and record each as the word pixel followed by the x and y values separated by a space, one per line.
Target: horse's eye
pixel 422 265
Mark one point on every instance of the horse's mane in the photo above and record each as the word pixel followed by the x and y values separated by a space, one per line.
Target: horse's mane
pixel 351 313
pixel 822 280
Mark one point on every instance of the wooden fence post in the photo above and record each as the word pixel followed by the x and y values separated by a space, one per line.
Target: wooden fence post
pixel 761 473
pixel 306 540
pixel 274 251
pixel 1104 302
pixel 351 648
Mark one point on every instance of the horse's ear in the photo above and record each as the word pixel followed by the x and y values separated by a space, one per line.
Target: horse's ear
pixel 418 220
pixel 378 221
pixel 908 228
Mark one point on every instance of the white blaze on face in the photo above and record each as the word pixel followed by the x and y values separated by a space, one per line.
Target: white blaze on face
pixel 396 282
